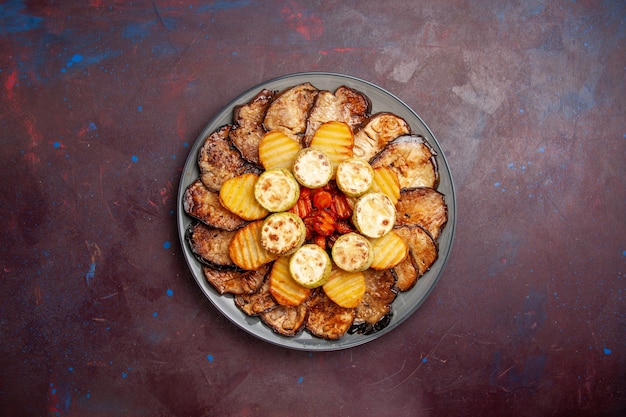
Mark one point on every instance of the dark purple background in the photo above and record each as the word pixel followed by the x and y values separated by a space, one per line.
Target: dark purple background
pixel 101 102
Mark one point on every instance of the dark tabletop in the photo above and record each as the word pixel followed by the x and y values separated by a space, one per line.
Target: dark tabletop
pixel 102 102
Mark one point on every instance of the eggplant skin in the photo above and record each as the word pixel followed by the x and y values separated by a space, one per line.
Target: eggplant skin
pixel 289 110
pixel 257 302
pixel 204 204
pixel 248 129
pixel 285 320
pixel 423 253
pixel 210 245
pixel 219 160
pixel 423 206
pixel 376 131
pixel 326 319
pixel 235 282
pixel 374 311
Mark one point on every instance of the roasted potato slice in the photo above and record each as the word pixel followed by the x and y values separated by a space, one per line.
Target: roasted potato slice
pixel 413 160
pixel 277 150
pixel 210 245
pixel 285 320
pixel 204 204
pixel 257 302
pixel 235 282
pixel 326 319
pixel 336 140
pixel 289 110
pixel 345 105
pixel 285 290
pixel 219 160
pixel 237 195
pixel 376 132
pixel 346 289
pixel 389 250
pixel 248 129
pixel 425 207
pixel 373 313
pixel 386 182
pixel 423 253
pixel 245 249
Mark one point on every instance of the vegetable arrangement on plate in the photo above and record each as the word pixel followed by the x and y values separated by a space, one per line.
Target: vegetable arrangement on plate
pixel 314 213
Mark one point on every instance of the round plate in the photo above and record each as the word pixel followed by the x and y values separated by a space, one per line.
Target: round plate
pixel 405 303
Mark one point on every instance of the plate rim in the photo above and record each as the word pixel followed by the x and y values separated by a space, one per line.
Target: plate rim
pixel 243 322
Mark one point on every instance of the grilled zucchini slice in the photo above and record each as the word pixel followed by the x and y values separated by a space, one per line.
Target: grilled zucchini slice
pixel 310 266
pixel 354 176
pixel 276 190
pixel 282 233
pixel 312 168
pixel 352 252
pixel 374 215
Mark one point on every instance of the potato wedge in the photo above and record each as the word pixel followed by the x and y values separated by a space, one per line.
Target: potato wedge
pixel 246 250
pixel 237 195
pixel 386 182
pixel 277 150
pixel 283 288
pixel 389 251
pixel 335 139
pixel 346 289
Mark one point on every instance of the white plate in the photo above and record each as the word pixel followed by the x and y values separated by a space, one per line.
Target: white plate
pixel 405 303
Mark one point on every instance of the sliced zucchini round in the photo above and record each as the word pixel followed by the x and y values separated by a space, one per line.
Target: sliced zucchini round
pixel 312 168
pixel 374 215
pixel 310 266
pixel 276 190
pixel 352 252
pixel 354 176
pixel 282 233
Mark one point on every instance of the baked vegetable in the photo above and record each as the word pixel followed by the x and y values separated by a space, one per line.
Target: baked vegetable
pixel 285 290
pixel 276 190
pixel 345 288
pixel 257 302
pixel 423 253
pixel 282 233
pixel 237 195
pixel 354 176
pixel 218 160
pixel 277 150
pixel 209 245
pixel 413 160
pixel 386 181
pixel 425 207
pixel 289 110
pixel 326 319
pixel 204 204
pixel 248 130
pixel 310 266
pixel 352 252
pixel 389 250
pixel 376 132
pixel 235 282
pixel 374 215
pixel 245 249
pixel 285 320
pixel 373 313
pixel 312 168
pixel 335 139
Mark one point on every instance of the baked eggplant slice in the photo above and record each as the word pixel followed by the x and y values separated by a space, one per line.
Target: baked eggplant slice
pixel 374 311
pixel 235 282
pixel 345 105
pixel 423 253
pixel 259 301
pixel 376 132
pixel 326 319
pixel 248 129
pixel 289 110
pixel 203 204
pixel 285 320
pixel 210 245
pixel 425 207
pixel 413 160
pixel 219 160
